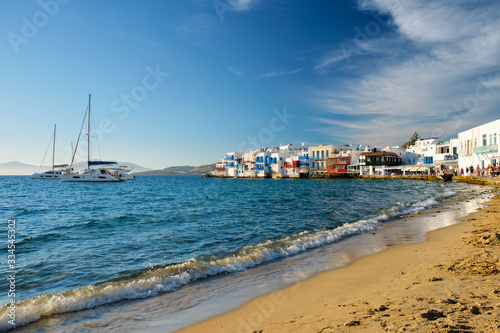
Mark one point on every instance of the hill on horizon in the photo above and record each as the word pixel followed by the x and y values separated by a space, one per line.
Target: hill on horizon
pixel 180 170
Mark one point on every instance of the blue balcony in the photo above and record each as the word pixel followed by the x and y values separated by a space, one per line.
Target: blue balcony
pixel 270 160
pixel 451 157
pixel 260 159
pixel 428 160
pixel 229 164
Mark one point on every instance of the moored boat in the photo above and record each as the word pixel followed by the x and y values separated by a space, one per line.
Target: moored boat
pixel 57 169
pixel 97 171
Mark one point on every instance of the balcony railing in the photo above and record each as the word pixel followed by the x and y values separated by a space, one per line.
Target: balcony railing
pixel 486 149
pixel 451 157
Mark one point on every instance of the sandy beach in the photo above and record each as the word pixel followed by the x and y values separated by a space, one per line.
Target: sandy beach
pixel 448 283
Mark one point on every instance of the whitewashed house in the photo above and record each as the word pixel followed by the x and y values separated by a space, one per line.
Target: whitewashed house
pixel 478 146
pixel 422 147
pixel 407 157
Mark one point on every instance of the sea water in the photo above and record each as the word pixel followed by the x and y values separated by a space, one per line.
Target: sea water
pixel 84 248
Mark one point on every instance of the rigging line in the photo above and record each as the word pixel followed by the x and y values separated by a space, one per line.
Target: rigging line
pixel 83 123
pixel 46 152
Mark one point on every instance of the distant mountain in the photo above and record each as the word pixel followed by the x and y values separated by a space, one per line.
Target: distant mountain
pixel 17 168
pixel 181 170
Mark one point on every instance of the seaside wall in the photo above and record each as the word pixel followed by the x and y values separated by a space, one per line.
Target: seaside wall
pixel 464 179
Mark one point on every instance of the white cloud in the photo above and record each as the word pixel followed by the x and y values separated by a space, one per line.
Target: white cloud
pixel 241 5
pixel 280 73
pixel 235 71
pixel 426 77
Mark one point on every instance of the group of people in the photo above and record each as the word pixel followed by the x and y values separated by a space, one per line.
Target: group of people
pixel 489 171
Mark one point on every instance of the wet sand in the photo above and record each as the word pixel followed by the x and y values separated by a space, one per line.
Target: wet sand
pixel 449 283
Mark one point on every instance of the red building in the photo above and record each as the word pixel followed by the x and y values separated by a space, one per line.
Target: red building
pixel 338 164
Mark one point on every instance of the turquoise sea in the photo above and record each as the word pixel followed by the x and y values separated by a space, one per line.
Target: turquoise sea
pixel 83 249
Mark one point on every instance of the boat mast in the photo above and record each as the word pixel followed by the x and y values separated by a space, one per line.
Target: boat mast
pixel 88 135
pixel 54 147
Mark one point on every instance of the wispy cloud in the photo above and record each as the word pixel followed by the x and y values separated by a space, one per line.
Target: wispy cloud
pixel 436 72
pixel 242 5
pixel 280 73
pixel 235 71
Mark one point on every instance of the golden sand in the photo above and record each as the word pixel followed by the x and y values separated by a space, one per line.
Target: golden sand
pixel 450 283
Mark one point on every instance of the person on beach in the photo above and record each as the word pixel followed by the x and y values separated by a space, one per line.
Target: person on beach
pixel 461 171
pixel 467 171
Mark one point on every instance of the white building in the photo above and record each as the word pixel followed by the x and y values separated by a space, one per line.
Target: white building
pixel 478 146
pixel 442 155
pixel 407 157
pixel 422 147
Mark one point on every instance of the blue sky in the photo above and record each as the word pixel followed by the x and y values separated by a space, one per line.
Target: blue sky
pixel 183 82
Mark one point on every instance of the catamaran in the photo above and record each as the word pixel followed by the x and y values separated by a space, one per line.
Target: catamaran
pixel 97 171
pixel 57 169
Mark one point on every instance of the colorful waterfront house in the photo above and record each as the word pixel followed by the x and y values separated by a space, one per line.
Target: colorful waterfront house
pixel 277 161
pixel 295 160
pixel 263 163
pixel 478 146
pixel 220 169
pixel 319 155
pixel 248 165
pixel 347 156
pixel 232 160
pixel 338 164
pixel 378 162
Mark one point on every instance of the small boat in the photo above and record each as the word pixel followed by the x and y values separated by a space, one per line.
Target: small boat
pixel 57 169
pixel 97 171
pixel 124 172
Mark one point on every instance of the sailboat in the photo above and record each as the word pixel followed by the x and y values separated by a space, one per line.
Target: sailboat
pixel 56 172
pixel 97 171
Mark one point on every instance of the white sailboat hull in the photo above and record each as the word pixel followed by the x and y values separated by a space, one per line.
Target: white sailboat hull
pixel 90 178
pixel 46 176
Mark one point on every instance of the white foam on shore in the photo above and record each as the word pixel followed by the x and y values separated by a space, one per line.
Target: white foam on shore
pixel 156 280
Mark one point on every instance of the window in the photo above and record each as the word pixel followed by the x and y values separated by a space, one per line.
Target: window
pixel 484 140
pixel 494 138
pixel 327 153
pixel 491 139
pixel 322 154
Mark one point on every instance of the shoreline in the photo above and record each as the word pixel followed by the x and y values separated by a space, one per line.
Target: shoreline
pixel 448 285
pixel 478 180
